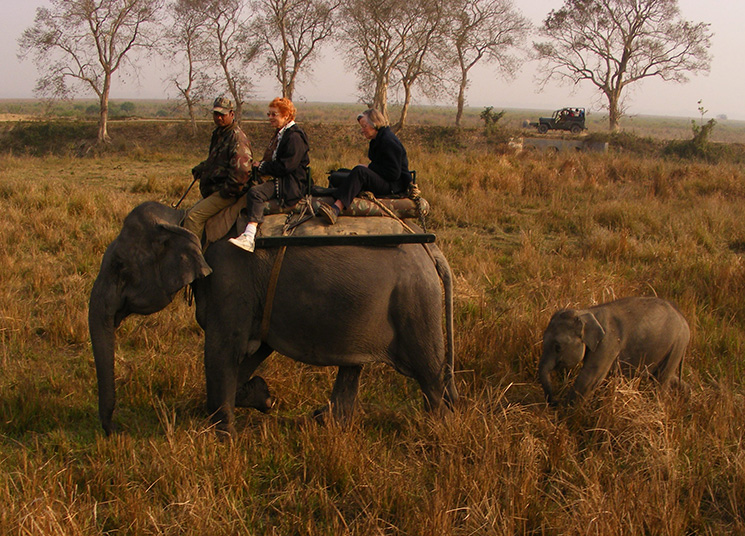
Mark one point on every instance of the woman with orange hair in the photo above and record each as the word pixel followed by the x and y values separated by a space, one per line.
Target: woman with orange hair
pixel 285 161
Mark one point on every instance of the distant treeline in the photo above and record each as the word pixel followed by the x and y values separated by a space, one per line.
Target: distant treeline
pixel 78 137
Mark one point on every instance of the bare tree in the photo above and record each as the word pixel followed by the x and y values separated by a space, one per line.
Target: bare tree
pixel 614 43
pixel 292 31
pixel 374 37
pixel 83 43
pixel 423 47
pixel 185 44
pixel 484 30
pixel 230 45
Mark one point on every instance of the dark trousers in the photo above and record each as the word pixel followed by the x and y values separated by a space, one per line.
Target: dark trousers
pixel 338 176
pixel 362 179
pixel 256 197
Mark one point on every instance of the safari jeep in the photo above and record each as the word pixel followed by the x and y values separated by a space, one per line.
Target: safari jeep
pixel 571 119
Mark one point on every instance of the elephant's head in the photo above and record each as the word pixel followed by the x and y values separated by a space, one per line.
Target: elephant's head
pixel 142 269
pixel 568 335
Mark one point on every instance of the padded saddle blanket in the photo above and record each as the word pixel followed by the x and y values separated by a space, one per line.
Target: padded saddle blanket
pixel 376 221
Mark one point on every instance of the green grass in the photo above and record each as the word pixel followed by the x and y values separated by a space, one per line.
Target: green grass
pixel 525 235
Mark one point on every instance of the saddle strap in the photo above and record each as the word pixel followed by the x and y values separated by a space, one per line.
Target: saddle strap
pixel 271 290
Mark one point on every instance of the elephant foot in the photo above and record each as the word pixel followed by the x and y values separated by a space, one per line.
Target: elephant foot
pixel 552 401
pixel 327 414
pixel 110 429
pixel 341 405
pixel 322 415
pixel 226 431
pixel 255 394
pixel 679 388
pixel 451 396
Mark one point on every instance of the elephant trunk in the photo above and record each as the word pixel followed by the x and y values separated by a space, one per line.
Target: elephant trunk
pixel 545 368
pixel 102 324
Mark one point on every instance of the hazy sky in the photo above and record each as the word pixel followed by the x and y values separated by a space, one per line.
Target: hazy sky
pixel 722 91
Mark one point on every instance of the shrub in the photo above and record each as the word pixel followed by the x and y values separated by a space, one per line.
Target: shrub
pixel 491 119
pixel 37 138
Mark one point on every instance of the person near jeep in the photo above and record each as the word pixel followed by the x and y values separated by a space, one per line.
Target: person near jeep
pixel 224 175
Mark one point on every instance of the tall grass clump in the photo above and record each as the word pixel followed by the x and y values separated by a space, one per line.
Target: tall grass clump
pixel 525 234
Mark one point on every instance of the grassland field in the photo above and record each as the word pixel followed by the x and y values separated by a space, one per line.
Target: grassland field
pixel 525 234
pixel 656 127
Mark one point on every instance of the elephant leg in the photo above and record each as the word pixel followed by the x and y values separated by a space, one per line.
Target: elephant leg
pixel 251 363
pixel 221 364
pixel 670 372
pixel 434 392
pixel 451 392
pixel 253 392
pixel 343 396
pixel 594 370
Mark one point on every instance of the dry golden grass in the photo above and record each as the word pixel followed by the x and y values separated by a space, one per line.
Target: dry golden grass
pixel 525 235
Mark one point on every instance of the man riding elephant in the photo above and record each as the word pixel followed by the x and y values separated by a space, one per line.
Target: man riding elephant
pixel 225 173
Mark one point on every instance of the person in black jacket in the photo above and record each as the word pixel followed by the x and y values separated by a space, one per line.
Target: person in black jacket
pixel 285 161
pixel 386 174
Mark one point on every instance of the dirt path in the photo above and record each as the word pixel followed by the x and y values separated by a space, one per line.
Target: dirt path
pixel 15 117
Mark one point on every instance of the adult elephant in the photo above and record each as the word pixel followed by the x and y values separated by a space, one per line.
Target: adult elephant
pixel 341 306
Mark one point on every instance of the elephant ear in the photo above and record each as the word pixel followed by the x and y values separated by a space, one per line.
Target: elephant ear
pixel 181 259
pixel 592 331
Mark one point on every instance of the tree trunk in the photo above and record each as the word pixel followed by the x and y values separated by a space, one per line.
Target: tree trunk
pixel 188 95
pixel 289 88
pixel 192 116
pixel 237 102
pixel 404 110
pixel 380 99
pixel 103 117
pixel 613 112
pixel 461 98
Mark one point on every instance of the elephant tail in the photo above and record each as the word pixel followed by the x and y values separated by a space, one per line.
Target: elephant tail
pixel 446 276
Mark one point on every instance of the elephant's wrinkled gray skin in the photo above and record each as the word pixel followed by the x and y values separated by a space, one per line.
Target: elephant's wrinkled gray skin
pixel 341 306
pixel 141 271
pixel 642 335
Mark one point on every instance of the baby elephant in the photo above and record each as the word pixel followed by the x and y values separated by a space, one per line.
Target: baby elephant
pixel 640 334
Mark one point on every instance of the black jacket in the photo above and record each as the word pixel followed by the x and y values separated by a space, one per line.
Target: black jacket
pixel 388 159
pixel 290 165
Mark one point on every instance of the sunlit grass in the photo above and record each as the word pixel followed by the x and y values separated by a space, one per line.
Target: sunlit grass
pixel 525 234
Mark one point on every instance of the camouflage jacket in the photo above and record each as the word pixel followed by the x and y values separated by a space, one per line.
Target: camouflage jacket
pixel 228 165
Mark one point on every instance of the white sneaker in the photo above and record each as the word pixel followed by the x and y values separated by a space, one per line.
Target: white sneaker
pixel 244 242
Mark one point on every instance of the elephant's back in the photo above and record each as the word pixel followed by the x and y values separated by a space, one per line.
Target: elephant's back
pixel 647 321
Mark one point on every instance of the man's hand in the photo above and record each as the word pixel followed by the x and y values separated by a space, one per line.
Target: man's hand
pixel 197 170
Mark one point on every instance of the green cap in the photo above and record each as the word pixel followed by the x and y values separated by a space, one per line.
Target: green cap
pixel 222 105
